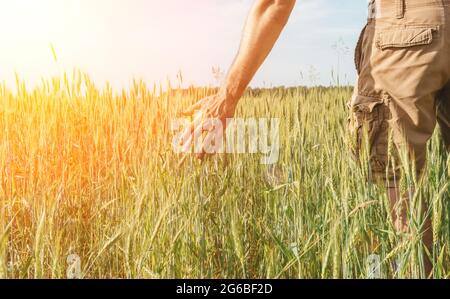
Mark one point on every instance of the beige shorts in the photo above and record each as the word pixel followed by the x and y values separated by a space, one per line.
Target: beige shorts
pixel 403 89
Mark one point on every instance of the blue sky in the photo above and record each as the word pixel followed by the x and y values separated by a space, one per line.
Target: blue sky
pixel 308 45
pixel 117 40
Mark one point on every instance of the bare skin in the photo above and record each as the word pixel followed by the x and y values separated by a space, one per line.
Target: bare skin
pixel 399 208
pixel 265 23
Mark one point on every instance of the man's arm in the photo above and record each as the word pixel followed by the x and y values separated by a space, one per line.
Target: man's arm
pixel 264 25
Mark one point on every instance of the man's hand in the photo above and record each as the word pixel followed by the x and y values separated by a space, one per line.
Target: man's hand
pixel 264 26
pixel 217 107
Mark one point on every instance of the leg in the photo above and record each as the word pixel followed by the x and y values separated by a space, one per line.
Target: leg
pixel 371 124
pixel 399 210
pixel 443 115
pixel 428 242
pixel 413 122
pixel 405 78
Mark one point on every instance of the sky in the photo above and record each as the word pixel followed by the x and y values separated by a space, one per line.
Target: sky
pixel 153 40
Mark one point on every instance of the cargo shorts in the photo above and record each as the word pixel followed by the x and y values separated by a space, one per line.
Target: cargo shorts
pixel 403 87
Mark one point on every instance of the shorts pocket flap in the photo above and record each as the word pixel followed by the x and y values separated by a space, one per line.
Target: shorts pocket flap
pixel 402 38
pixel 364 103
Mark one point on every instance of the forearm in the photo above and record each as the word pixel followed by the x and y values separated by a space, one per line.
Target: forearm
pixel 263 28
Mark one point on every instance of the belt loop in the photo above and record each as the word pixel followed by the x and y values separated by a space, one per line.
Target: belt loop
pixel 400 9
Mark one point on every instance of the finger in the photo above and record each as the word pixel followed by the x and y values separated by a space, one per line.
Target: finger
pixel 193 136
pixel 213 140
pixel 201 156
pixel 192 109
pixel 187 134
pixel 186 140
pixel 196 137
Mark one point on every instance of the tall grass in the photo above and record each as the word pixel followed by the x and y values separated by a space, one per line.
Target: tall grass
pixel 88 172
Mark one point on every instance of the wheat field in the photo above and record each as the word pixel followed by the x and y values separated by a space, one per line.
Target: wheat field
pixel 90 173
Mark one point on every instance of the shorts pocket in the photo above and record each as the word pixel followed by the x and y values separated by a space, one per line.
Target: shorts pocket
pixel 405 37
pixel 369 128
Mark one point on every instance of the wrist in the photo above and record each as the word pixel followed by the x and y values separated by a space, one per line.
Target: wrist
pixel 230 96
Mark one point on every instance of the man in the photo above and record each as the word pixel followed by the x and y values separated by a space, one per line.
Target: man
pixel 402 59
